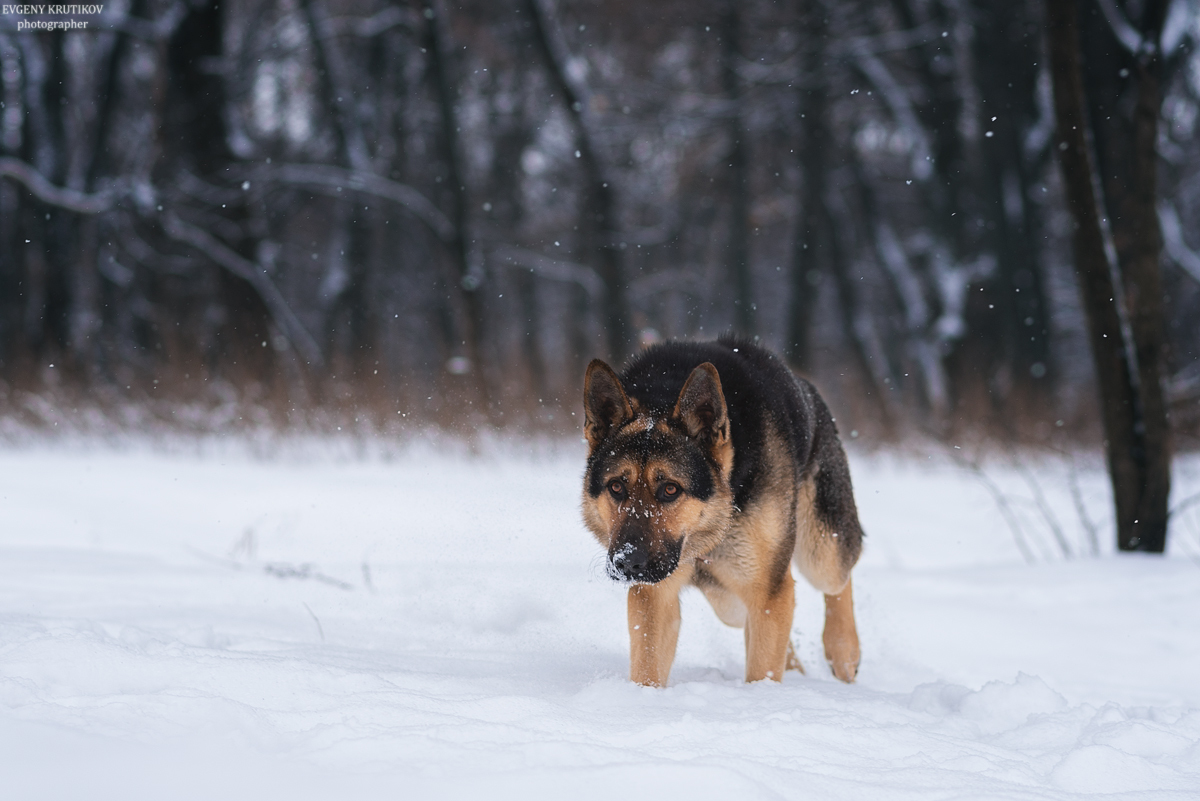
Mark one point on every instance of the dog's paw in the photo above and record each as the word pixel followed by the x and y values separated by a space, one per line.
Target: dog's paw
pixel 844 670
pixel 843 655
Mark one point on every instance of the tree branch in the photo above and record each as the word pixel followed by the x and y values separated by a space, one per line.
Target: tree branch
pixel 684 278
pixel 366 27
pixel 554 269
pixel 1172 231
pixel 332 180
pixel 1081 507
pixel 887 41
pixel 54 195
pixel 1039 498
pixel 1129 37
pixel 1002 503
pixel 256 276
pixel 900 105
pixel 336 83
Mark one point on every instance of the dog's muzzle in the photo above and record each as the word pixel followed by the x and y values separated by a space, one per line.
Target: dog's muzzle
pixel 635 563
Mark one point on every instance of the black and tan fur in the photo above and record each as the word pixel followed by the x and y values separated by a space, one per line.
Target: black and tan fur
pixel 711 465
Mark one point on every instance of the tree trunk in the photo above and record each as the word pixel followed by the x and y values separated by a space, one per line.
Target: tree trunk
pixel 1016 332
pixel 739 196
pixel 811 246
pixel 858 327
pixel 1122 84
pixel 600 208
pixel 10 145
pixel 465 294
pixel 1139 246
pixel 1138 459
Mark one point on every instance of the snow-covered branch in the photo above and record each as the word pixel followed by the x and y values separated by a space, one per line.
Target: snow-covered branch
pixel 1172 232
pixel 374 25
pixel 1129 37
pixel 333 181
pixel 553 269
pixel 899 103
pixel 53 195
pixel 255 275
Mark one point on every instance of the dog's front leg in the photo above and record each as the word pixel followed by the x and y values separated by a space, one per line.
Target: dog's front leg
pixel 653 631
pixel 768 629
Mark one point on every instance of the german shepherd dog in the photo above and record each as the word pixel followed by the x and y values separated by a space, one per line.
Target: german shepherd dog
pixel 710 464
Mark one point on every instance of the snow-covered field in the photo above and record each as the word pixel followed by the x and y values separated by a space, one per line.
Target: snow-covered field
pixel 202 622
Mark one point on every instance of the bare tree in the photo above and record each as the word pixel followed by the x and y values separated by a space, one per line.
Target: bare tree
pixel 739 197
pixel 600 214
pixel 466 294
pixel 1134 413
pixel 812 241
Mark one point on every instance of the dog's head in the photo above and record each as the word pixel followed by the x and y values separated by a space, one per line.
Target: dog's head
pixel 656 491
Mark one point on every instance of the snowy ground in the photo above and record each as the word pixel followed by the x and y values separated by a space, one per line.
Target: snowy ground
pixel 313 624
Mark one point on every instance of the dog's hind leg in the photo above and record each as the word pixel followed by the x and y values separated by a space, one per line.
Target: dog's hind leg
pixel 793 661
pixel 828 542
pixel 653 631
pixel 841 635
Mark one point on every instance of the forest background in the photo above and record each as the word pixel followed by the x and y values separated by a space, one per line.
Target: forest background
pixel 309 213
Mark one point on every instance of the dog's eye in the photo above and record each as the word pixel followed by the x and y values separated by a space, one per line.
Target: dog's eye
pixel 617 488
pixel 668 492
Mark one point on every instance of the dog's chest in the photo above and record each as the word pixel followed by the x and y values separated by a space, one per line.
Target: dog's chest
pixel 728 563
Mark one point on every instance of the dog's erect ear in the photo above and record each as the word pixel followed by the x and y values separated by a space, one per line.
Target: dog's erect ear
pixel 701 406
pixel 605 404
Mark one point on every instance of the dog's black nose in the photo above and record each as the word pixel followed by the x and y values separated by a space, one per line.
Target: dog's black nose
pixel 629 563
